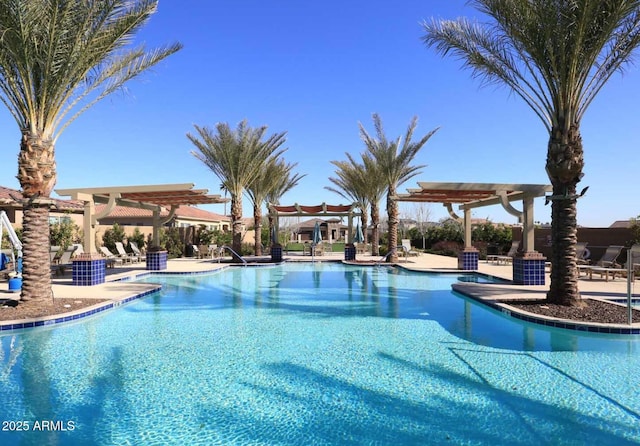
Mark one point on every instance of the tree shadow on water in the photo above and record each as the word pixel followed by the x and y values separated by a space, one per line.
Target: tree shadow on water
pixel 303 406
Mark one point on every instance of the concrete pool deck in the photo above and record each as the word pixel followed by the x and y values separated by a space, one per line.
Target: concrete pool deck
pixel 117 290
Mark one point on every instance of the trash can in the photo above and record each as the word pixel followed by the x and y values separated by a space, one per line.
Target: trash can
pixel 276 253
pixel 15 284
pixel 349 251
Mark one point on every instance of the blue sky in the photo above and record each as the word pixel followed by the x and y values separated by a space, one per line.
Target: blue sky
pixel 315 70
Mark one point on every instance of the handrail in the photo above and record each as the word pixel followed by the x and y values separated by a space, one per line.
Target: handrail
pixel 379 262
pixel 223 247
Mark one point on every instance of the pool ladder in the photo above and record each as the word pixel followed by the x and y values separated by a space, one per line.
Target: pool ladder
pixel 230 249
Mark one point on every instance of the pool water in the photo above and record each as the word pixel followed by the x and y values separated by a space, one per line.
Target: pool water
pixel 321 354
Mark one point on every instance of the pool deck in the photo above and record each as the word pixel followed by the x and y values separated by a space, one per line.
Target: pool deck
pixel 119 290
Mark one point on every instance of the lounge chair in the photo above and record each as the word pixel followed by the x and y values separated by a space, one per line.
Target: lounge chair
pixel 124 255
pixel 110 257
pixel 407 249
pixel 508 258
pixel 136 251
pixel 607 265
pixel 64 261
pixel 53 253
pixel 582 253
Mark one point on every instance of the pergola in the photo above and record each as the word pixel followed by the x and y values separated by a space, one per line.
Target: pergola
pixel 150 197
pixel 474 195
pixel 320 210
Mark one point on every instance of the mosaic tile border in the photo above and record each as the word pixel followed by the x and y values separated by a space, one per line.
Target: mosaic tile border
pixel 73 317
pixel 555 323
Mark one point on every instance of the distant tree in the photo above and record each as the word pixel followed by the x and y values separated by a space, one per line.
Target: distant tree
pixel 57 59
pixel 270 179
pixel 287 181
pixel 360 183
pixel 556 56
pixel 113 235
pixel 236 157
pixel 393 160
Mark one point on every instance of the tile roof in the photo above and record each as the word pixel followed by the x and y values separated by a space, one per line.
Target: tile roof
pixel 13 197
pixel 183 212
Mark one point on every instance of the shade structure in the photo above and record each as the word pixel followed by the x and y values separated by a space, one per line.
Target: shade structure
pixel 317 236
pixel 359 236
pixel 274 236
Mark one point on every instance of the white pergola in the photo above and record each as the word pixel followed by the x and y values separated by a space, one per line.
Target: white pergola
pixel 150 197
pixel 474 195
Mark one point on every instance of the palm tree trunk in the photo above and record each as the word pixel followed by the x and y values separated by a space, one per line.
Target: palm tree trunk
pixel 257 224
pixel 375 234
pixel 392 212
pixel 37 176
pixel 36 265
pixel 236 223
pixel 364 218
pixel 564 167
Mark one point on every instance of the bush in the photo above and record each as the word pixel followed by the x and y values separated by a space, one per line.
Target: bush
pixel 170 240
pixel 138 238
pixel 64 234
pixel 447 248
pixel 113 235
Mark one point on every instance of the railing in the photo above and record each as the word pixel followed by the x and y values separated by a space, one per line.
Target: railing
pixel 379 262
pixel 230 249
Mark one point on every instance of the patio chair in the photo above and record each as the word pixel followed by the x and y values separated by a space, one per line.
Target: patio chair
pixel 136 251
pixel 124 255
pixel 64 261
pixel 204 251
pixel 110 257
pixel 508 258
pixel 606 265
pixel 318 249
pixel 582 253
pixel 53 253
pixel 213 251
pixel 408 249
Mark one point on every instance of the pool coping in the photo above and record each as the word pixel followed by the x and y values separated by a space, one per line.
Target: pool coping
pixel 469 290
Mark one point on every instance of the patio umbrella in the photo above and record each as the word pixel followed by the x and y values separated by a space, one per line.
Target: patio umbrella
pixel 317 237
pixel 359 237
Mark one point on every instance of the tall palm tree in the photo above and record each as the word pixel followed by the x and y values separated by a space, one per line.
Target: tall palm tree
pixel 236 157
pixel 269 178
pixel 556 56
pixel 350 184
pixel 287 180
pixel 393 160
pixel 375 191
pixel 361 184
pixel 57 59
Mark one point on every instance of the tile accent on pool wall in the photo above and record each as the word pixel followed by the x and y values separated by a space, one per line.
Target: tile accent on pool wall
pixel 69 318
pixel 541 320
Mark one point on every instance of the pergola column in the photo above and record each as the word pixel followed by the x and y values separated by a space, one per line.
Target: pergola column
pixel 468 258
pixel 528 265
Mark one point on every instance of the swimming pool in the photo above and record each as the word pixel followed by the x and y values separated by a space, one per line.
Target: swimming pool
pixel 316 354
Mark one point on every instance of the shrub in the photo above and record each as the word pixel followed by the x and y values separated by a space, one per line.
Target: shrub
pixel 138 238
pixel 447 248
pixel 113 235
pixel 64 234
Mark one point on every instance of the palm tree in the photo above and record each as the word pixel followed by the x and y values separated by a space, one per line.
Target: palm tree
pixel 57 59
pixel 237 158
pixel 269 178
pixel 556 56
pixel 393 160
pixel 360 184
pixel 287 180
